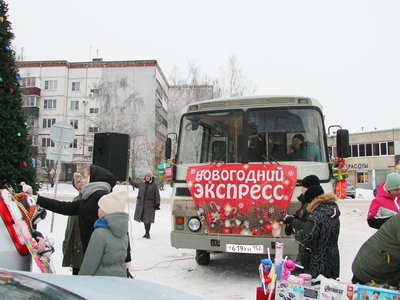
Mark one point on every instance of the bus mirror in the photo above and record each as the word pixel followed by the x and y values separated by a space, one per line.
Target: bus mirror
pixel 168 148
pixel 342 143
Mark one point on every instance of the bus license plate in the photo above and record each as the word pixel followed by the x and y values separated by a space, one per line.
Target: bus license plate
pixel 255 249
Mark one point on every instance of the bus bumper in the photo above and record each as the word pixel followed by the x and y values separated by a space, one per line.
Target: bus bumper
pixel 218 243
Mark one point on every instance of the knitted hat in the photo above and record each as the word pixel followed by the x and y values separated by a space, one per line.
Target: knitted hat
pixel 313 192
pixel 310 180
pixel 393 181
pixel 25 187
pixel 77 177
pixel 114 202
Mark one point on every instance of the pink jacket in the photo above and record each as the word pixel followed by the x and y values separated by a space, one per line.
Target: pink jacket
pixel 383 205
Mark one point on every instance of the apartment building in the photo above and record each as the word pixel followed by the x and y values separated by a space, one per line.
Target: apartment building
pixel 128 97
pixel 373 154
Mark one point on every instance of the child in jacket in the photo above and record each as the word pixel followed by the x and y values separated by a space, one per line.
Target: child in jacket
pixel 108 243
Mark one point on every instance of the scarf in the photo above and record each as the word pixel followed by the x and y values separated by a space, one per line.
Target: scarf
pixel 92 187
pixel 101 223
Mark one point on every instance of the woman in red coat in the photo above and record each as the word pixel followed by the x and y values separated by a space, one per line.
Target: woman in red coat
pixel 386 203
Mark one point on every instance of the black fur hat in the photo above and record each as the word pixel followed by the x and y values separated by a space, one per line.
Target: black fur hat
pixel 313 192
pixel 310 180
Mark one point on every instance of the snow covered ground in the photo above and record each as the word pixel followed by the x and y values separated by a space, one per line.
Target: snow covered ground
pixel 228 276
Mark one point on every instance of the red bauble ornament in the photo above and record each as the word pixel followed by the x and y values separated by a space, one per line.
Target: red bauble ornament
pixel 25 164
pixel 226 230
pixel 236 229
pixel 209 218
pixel 256 231
pixel 11 91
pixel 267 227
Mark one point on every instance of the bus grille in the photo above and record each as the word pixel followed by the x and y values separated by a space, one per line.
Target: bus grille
pixel 182 192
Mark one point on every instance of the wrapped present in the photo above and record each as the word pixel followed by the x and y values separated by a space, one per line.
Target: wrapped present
pixel 341 189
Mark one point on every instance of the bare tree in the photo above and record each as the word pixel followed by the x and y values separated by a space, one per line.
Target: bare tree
pixel 232 81
pixel 119 111
pixel 48 168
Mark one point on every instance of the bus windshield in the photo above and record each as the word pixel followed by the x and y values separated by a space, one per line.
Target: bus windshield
pixel 255 135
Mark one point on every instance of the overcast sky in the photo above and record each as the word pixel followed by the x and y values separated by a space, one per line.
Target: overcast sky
pixel 346 53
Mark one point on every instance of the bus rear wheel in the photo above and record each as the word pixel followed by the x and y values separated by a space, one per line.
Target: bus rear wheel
pixel 202 257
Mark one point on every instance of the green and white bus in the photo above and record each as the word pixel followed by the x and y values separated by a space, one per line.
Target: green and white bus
pixel 219 137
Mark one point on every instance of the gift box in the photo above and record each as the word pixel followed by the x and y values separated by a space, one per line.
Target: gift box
pixel 285 290
pixel 366 292
pixel 331 289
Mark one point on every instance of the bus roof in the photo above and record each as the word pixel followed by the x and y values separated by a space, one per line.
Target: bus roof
pixel 245 102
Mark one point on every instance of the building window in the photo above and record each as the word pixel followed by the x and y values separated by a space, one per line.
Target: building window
pixel 74 124
pixel 47 123
pixel 47 164
pixel 90 148
pixel 391 148
pixel 362 177
pixel 368 149
pixel 50 85
pixel 33 139
pixel 375 148
pixel 74 144
pixel 74 105
pixel 354 150
pixel 383 148
pixel 49 103
pixel 94 110
pixel 30 101
pixel 76 86
pixel 95 91
pixel 47 142
pixel 93 129
pixel 29 81
pixel 361 150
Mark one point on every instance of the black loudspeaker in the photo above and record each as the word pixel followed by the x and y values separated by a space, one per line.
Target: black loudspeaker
pixel 342 143
pixel 111 151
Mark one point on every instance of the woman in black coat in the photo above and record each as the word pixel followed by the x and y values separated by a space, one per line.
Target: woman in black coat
pixel 99 182
pixel 148 201
pixel 320 233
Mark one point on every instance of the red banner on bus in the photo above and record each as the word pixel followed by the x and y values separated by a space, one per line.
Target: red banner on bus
pixel 242 199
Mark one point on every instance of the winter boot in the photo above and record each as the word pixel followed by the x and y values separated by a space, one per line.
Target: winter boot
pixel 147 228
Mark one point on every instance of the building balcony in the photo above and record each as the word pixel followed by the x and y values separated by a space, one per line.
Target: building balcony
pixel 31 91
pixel 32 111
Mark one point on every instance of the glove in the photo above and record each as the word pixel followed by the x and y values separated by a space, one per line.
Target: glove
pixel 288 229
pixel 288 219
pixel 40 215
pixel 157 206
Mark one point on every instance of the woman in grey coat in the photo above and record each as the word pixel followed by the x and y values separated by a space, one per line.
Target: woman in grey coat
pixel 148 201
pixel 107 249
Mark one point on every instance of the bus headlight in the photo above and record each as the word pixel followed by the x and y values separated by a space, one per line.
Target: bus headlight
pixel 194 224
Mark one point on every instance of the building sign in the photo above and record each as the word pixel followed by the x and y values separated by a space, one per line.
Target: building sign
pixel 357 166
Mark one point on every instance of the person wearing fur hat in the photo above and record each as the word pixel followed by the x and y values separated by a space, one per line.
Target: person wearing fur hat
pixel 386 203
pixel 107 249
pixel 148 201
pixel 295 222
pixel 320 233
pixel 72 245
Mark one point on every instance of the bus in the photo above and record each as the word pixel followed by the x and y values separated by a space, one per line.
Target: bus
pixel 238 168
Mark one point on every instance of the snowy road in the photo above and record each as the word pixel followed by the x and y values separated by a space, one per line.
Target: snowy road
pixel 228 276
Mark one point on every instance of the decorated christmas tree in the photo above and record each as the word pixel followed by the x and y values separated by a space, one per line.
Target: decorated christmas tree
pixel 15 150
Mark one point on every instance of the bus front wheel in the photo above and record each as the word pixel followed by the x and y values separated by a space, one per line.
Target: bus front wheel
pixel 202 257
